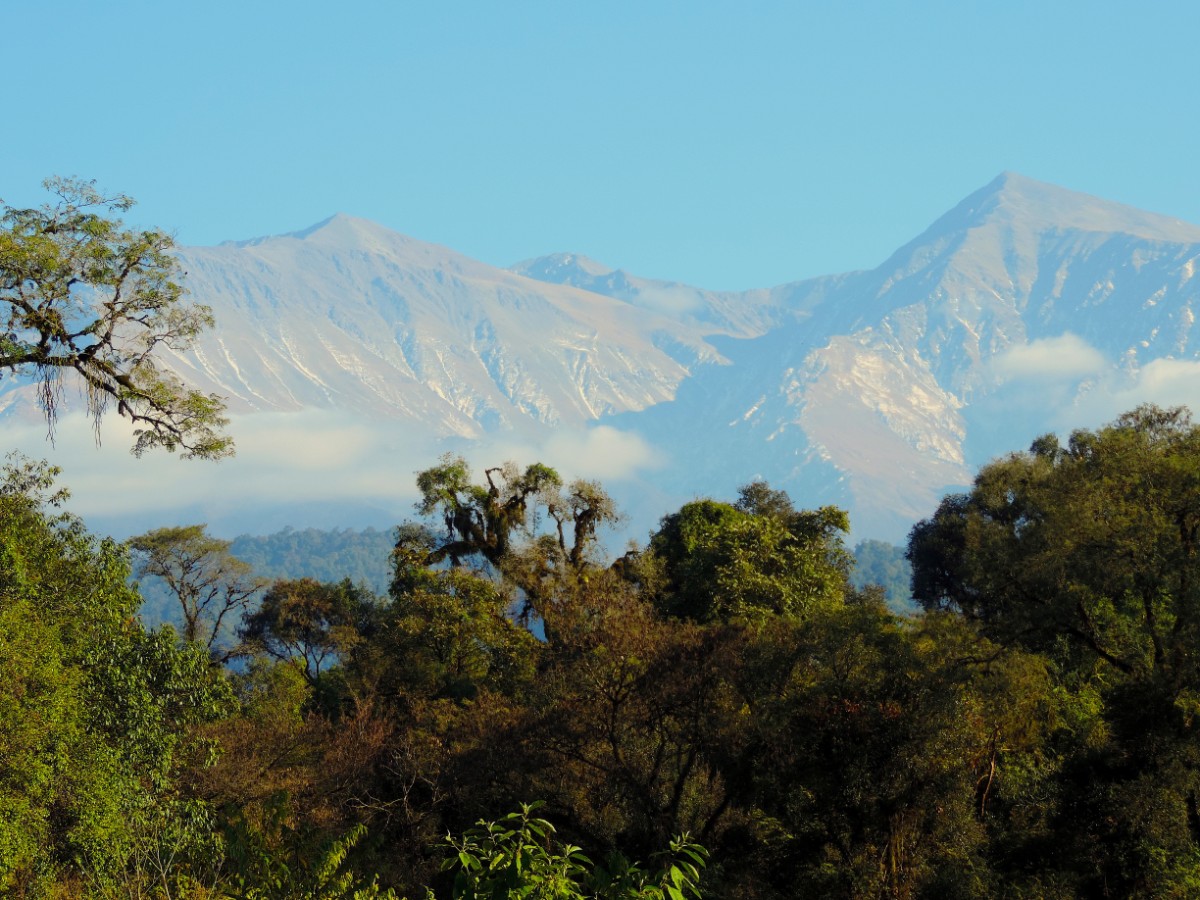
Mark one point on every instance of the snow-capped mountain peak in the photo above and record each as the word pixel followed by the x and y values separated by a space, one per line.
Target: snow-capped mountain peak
pixel 1024 305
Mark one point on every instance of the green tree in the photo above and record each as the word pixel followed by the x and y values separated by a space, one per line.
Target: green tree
pixel 1097 542
pixel 98 712
pixel 859 765
pixel 629 720
pixel 1088 555
pixel 448 632
pixel 314 623
pixel 759 556
pixel 212 587
pixel 80 293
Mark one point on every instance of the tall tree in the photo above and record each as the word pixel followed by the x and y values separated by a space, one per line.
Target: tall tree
pixel 1089 554
pixel 309 622
pixel 755 557
pixel 522 525
pixel 81 293
pixel 481 519
pixel 212 585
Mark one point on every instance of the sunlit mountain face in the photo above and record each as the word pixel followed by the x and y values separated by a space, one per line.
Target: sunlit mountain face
pixel 1024 309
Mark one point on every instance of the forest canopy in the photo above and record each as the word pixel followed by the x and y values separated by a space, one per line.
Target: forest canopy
pixel 720 712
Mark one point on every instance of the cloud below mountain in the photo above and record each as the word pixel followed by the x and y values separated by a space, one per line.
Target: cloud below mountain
pixel 1065 356
pixel 1077 386
pixel 1164 382
pixel 601 453
pixel 343 471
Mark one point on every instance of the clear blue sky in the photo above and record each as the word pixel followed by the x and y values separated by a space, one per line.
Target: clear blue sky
pixel 728 145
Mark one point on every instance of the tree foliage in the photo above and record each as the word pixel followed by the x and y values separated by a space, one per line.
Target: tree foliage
pixel 754 557
pixel 488 520
pixel 313 623
pixel 481 519
pixel 81 293
pixel 517 856
pixel 1096 542
pixel 212 587
pixel 1030 733
pixel 1086 554
pixel 97 711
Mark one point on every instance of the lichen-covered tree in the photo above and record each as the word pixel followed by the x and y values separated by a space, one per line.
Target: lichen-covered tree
pixel 523 525
pixel 80 293
pixel 482 519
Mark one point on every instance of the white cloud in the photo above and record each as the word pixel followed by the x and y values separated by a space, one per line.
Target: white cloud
pixel 1066 356
pixel 312 467
pixel 1164 382
pixel 282 458
pixel 603 453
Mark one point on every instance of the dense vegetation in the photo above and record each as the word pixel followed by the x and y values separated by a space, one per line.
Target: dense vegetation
pixel 364 557
pixel 1030 732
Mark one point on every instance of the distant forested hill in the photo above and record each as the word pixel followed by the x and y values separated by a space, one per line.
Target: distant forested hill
pixel 329 556
pixel 878 562
pixel 362 556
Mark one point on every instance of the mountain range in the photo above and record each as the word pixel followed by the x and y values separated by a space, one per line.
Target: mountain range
pixel 1025 308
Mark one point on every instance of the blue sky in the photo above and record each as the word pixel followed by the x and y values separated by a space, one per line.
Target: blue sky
pixel 725 145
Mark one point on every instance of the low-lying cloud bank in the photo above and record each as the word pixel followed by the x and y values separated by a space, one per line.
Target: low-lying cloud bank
pixel 328 469
pixel 1066 356
pixel 1166 382
pixel 312 468
pixel 1076 386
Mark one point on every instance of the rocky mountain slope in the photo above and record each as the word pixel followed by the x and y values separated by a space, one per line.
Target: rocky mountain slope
pixel 1026 307
pixel 349 315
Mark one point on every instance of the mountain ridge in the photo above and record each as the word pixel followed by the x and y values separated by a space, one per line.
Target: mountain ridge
pixel 903 368
pixel 1021 307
